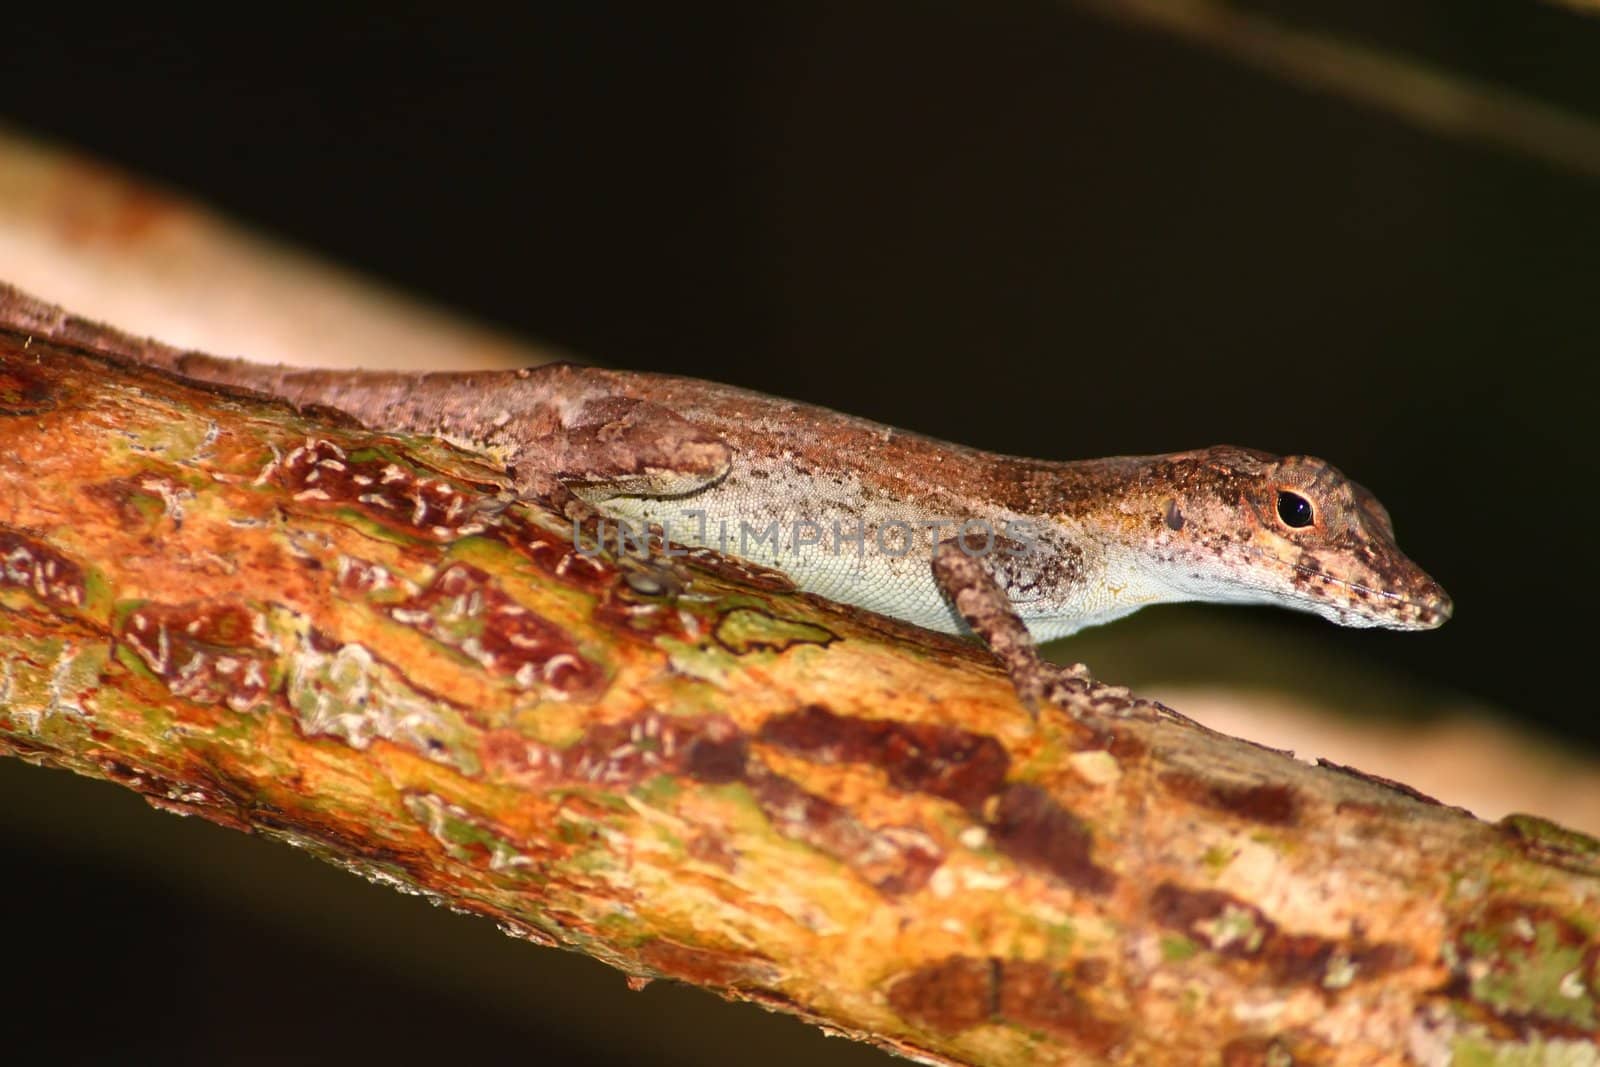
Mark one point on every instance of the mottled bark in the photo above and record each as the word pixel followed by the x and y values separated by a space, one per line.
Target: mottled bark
pixel 280 622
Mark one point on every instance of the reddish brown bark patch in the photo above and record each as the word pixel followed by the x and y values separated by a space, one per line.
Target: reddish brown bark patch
pixel 960 992
pixel 712 849
pixel 1091 971
pixel 1216 920
pixel 23 392
pixel 624 753
pixel 1029 826
pixel 557 556
pixel 713 751
pixel 942 761
pixel 1271 803
pixel 718 760
pixel 1278 1050
pixel 136 500
pixel 1127 746
pixel 359 577
pixel 388 493
pixel 710 750
pixel 895 860
pixel 704 966
pixel 626 612
pixel 206 653
pixel 1034 997
pixel 38 569
pixel 952 995
pixel 1232 927
pixel 1311 960
pixel 1254 1052
pixel 1363 808
pixel 463 609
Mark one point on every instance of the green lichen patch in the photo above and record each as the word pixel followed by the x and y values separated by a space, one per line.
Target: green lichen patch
pixel 659 791
pixel 1233 928
pixel 1523 960
pixel 1175 949
pixel 169 436
pixel 343 691
pixel 43 682
pixel 708 663
pixel 745 630
pixel 1554 844
pixel 1479 1051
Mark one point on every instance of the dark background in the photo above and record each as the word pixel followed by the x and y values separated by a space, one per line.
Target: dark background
pixel 1009 224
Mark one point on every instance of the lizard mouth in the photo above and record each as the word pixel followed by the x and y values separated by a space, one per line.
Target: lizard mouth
pixel 1433 608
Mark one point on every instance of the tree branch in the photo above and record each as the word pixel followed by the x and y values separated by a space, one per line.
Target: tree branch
pixel 284 623
pixel 1442 101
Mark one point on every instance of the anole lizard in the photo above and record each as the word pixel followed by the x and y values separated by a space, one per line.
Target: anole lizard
pixel 948 537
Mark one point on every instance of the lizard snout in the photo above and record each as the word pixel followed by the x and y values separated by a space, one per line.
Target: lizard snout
pixel 1432 606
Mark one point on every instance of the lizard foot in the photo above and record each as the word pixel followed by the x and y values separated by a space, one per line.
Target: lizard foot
pixel 972 589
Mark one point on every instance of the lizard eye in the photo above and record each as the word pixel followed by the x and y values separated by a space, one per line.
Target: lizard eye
pixel 1294 510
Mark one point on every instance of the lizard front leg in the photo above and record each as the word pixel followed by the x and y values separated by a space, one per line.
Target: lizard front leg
pixel 969 582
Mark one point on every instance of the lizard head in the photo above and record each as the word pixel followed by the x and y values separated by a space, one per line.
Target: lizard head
pixel 1241 525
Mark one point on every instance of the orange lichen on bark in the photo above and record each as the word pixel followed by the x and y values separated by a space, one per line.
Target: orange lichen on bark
pixel 279 621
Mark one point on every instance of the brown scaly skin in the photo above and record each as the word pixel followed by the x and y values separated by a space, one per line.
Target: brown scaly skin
pixel 1103 537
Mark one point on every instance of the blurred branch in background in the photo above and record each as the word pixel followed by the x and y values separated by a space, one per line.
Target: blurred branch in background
pixel 116 249
pixel 1440 101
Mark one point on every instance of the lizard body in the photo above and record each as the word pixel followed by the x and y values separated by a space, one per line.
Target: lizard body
pixel 941 535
